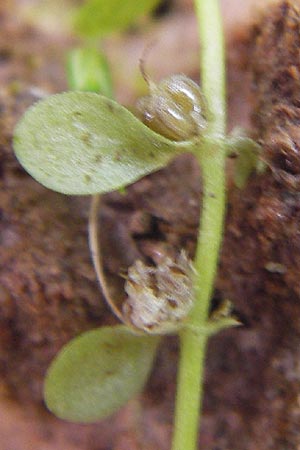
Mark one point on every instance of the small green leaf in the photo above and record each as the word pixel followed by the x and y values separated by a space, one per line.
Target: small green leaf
pixel 87 70
pixel 83 143
pixel 245 165
pixel 100 17
pixel 212 327
pixel 98 372
pixel 247 156
pixel 220 319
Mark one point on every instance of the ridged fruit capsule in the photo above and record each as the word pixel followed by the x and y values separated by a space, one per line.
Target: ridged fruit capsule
pixel 175 108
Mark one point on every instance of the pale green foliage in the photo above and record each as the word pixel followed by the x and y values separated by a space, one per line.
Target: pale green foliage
pixel 84 143
pixel 98 372
pixel 87 70
pixel 100 17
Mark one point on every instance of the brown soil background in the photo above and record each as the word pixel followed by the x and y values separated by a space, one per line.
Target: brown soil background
pixel 48 291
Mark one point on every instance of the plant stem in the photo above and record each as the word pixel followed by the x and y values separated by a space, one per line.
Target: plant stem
pixel 211 156
pixel 212 62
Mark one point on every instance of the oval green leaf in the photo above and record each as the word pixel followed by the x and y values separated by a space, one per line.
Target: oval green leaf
pixel 100 17
pixel 84 143
pixel 97 373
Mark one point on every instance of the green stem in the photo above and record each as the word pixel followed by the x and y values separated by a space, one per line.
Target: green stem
pixel 212 61
pixel 211 156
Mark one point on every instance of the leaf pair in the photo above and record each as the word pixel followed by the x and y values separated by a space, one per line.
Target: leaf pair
pixel 83 143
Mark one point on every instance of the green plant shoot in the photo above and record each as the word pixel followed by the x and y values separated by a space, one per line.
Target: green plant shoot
pixel 88 70
pixel 85 143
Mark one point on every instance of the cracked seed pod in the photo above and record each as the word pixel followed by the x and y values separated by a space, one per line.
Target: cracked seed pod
pixel 159 298
pixel 175 108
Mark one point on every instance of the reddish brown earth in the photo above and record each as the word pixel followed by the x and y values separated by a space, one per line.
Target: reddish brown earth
pixel 47 284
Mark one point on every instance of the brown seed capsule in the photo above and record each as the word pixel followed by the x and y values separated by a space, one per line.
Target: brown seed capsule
pixel 159 298
pixel 175 108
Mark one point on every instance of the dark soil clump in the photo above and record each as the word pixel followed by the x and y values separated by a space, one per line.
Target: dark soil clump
pixel 261 256
pixel 276 77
